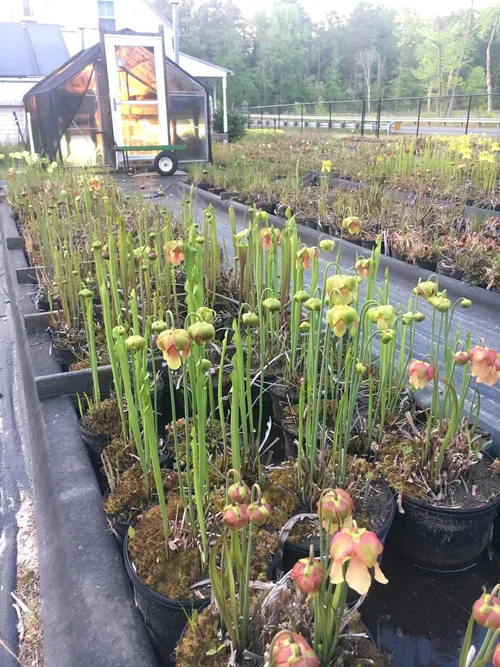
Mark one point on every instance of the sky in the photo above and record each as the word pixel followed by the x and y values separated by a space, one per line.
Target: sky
pixel 318 8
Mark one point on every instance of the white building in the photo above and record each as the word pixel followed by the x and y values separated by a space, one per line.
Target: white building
pixel 77 21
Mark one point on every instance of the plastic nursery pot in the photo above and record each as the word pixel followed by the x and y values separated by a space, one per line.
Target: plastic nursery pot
pixel 427 264
pixel 294 551
pixel 398 255
pixel 164 618
pixel 118 528
pixel 281 395
pixel 63 355
pixel 443 538
pixel 451 271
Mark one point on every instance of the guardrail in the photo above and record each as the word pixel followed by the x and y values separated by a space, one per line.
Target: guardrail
pixel 318 122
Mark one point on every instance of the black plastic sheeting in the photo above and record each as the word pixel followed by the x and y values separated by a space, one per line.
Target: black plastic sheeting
pixel 55 101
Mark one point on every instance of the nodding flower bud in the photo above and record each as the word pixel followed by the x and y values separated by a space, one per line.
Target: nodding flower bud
pixel 383 316
pixel 205 364
pixel 313 304
pixel 206 314
pixel 259 512
pixel 250 319
pixel 461 358
pixel 235 516
pixel 105 254
pixel 387 336
pixel 86 293
pixel 291 650
pixel 342 319
pixel 301 296
pixel 152 256
pixel 418 316
pixel 466 303
pixel 327 245
pixel 158 326
pixel 239 493
pixel 304 327
pixel 135 343
pixel 262 216
pixel 271 304
pixel 201 332
pixel 308 574
pixel 119 331
pixel 486 611
pixel 96 245
pixel 360 368
pixel 441 303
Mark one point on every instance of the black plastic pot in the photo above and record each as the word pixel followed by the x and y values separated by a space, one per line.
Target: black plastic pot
pixel 293 552
pixel 281 395
pixel 117 527
pixel 63 355
pixel 427 264
pixel 95 442
pixel 164 618
pixel 443 538
pixel 371 245
pixel 312 223
pixel 397 255
pixel 450 271
pixel 355 241
pixel 267 207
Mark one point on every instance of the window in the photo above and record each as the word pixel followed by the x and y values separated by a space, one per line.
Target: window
pixel 107 15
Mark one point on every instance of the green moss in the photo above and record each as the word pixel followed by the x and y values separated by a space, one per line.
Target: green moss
pixel 104 419
pixel 168 571
pixel 202 635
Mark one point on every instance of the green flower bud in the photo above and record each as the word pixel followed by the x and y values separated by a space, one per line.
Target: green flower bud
pixel 327 245
pixel 313 304
pixel 304 326
pixel 206 314
pixel 466 303
pixel 119 331
pixel 64 194
pixel 200 240
pixel 418 316
pixel 387 336
pixel 360 368
pixel 158 326
pixel 96 245
pixel 262 216
pixel 205 365
pixel 201 332
pixel 301 296
pixel 135 343
pixel 86 293
pixel 250 319
pixel 271 304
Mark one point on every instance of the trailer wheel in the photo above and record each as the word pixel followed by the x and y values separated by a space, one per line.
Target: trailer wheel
pixel 166 163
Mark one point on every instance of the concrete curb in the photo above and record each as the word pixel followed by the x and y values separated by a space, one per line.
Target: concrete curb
pixel 89 616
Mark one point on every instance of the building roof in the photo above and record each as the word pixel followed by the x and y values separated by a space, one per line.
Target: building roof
pixel 201 68
pixel 31 49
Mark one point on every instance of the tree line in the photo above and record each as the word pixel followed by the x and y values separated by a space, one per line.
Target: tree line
pixel 281 56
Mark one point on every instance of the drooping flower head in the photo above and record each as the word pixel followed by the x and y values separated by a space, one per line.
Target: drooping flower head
pixel 421 373
pixel 335 509
pixel 486 611
pixel 291 650
pixel 326 166
pixel 461 358
pixel 352 225
pixel 361 549
pixel 427 289
pixel 304 257
pixel 266 237
pixel 175 345
pixel 342 319
pixel 383 316
pixel 235 516
pixel 327 245
pixel 94 184
pixel 308 574
pixel 201 332
pixel 363 266
pixel 174 252
pixel 485 365
pixel 342 290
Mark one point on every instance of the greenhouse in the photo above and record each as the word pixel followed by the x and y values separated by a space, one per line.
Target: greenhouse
pixel 121 93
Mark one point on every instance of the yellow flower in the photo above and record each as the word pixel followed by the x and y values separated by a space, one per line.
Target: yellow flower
pixel 467 155
pixel 326 166
pixel 483 156
pixel 495 147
